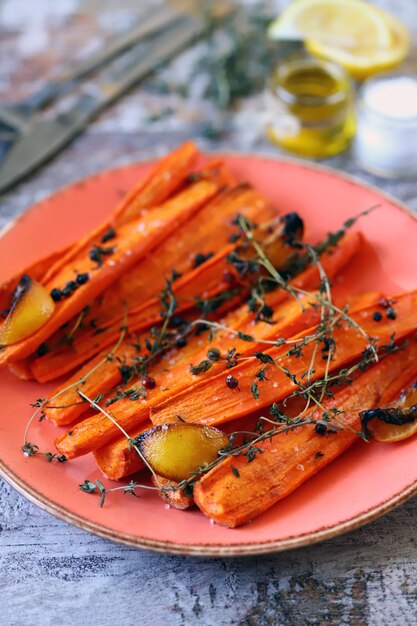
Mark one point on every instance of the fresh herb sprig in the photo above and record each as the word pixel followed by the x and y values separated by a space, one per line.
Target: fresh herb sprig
pixel 44 403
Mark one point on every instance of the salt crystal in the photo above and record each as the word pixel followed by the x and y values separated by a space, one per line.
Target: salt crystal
pixel 300 467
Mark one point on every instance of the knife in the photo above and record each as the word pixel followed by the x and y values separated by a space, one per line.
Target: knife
pixel 16 116
pixel 43 139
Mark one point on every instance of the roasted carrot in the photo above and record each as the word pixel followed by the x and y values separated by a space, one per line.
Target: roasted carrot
pixel 333 261
pixel 212 402
pixel 205 232
pixel 168 174
pixel 151 191
pixel 118 459
pixel 175 498
pixel 133 242
pixel 104 377
pixel 288 321
pixel 232 497
pixel 172 375
pixel 22 369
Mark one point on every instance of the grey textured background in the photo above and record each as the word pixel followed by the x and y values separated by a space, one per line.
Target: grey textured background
pixel 51 573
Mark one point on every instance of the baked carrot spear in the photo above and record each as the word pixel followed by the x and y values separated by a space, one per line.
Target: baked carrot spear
pixel 175 366
pixel 176 498
pixel 166 176
pixel 105 368
pixel 236 491
pixel 194 241
pixel 212 402
pixel 104 265
pixel 118 459
pixel 172 375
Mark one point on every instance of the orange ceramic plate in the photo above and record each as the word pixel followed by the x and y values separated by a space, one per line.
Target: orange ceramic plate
pixel 369 480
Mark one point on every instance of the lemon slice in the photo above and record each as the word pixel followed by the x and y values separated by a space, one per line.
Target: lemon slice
pixel 390 433
pixel 353 33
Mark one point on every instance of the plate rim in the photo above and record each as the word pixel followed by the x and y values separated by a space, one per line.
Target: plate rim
pixel 202 549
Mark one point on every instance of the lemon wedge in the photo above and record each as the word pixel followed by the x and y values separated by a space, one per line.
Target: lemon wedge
pixel 390 433
pixel 31 308
pixel 353 33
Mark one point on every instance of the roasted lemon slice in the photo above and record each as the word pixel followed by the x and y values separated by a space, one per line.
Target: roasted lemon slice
pixel 31 308
pixel 397 422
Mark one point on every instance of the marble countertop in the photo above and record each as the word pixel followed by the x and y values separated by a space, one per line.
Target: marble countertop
pixel 53 573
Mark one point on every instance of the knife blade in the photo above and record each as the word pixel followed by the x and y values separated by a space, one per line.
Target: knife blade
pixel 43 139
pixel 16 116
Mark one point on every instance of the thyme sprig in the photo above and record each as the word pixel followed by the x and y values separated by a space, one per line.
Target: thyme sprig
pixel 295 291
pixel 42 403
pixel 68 338
pixel 132 443
pixel 88 486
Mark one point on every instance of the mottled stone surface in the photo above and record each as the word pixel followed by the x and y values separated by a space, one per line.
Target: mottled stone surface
pixel 51 573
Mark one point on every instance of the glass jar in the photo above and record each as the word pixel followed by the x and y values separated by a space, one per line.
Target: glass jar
pixel 310 108
pixel 386 140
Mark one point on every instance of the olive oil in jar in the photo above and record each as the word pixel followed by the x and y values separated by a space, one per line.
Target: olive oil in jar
pixel 311 108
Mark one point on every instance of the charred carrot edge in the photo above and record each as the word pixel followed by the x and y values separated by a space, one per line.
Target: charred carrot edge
pixel 239 319
pixel 196 405
pixel 232 497
pixel 132 243
pixel 118 459
pixel 153 190
pixel 172 374
pixel 177 499
pixel 143 280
